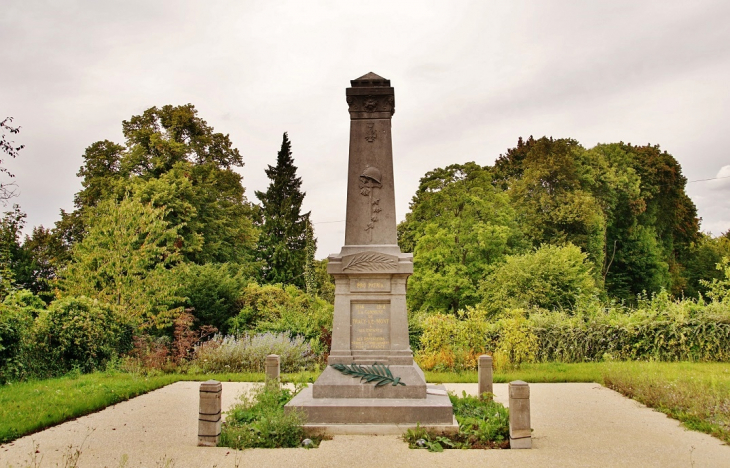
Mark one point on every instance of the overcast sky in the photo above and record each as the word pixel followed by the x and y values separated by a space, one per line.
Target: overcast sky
pixel 469 77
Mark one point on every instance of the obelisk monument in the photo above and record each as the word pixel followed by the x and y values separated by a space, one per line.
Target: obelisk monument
pixel 370 318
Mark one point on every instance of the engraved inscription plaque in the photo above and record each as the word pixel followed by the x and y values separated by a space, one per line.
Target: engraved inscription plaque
pixel 370 328
pixel 365 284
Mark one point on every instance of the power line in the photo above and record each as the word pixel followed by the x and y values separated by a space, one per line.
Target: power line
pixel 704 180
pixel 329 222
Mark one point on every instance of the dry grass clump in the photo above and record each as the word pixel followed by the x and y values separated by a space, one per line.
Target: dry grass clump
pixel 697 395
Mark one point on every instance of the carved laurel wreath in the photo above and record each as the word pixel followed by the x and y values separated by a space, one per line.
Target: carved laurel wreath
pixel 371 262
pixel 378 373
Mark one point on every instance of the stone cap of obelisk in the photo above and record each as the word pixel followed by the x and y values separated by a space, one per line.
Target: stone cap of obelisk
pixel 370 220
pixel 370 97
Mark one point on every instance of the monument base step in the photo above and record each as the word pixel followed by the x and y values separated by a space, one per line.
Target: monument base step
pixel 376 429
pixel 377 413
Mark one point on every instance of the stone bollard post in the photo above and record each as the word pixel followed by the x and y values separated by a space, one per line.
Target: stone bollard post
pixel 273 368
pixel 520 433
pixel 485 375
pixel 209 414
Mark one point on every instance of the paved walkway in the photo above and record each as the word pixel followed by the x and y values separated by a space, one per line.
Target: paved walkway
pixel 575 425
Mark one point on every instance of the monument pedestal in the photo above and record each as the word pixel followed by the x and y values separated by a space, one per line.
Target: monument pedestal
pixel 370 322
pixel 332 416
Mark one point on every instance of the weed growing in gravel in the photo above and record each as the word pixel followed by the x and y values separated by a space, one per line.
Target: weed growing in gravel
pixel 483 424
pixel 259 421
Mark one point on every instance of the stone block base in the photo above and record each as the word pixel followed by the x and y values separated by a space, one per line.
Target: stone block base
pixel 376 413
pixel 208 441
pixel 523 443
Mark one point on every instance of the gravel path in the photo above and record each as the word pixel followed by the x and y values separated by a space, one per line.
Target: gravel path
pixel 575 425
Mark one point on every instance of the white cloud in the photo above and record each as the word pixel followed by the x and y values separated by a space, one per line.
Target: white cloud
pixel 722 182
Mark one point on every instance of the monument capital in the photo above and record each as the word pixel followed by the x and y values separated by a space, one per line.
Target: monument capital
pixel 370 97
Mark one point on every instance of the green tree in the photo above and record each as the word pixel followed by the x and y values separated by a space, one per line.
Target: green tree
pixel 282 245
pixel 41 249
pixel 325 282
pixel 653 225
pixel 172 159
pixel 11 254
pixel 459 225
pixel 550 184
pixel 310 273
pixel 7 189
pixel 719 289
pixel 125 260
pixel 623 205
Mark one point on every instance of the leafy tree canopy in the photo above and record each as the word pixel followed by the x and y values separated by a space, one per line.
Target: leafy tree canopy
pixel 459 224
pixel 173 160
pixel 623 206
pixel 124 260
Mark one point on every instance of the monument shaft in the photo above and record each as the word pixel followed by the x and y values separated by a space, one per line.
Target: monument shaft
pixel 370 189
pixel 370 321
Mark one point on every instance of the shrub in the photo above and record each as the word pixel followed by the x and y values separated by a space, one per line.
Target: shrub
pixel 17 313
pixel 212 291
pixel 80 332
pixel 719 289
pixel 659 329
pixel 552 277
pixel 307 317
pixel 15 324
pixel 277 309
pixel 453 342
pixel 517 343
pixel 149 355
pixel 26 300
pixel 248 353
pixel 261 303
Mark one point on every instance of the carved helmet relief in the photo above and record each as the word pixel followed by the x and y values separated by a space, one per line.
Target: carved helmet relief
pixel 371 173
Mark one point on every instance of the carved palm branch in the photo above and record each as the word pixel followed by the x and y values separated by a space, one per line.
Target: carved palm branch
pixel 378 373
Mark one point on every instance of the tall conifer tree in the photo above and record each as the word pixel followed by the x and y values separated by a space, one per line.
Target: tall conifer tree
pixel 282 244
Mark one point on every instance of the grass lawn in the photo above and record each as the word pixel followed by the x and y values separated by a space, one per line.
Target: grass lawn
pixel 532 373
pixel 698 394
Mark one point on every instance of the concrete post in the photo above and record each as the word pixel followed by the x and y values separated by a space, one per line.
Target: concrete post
pixel 485 375
pixel 273 368
pixel 209 414
pixel 520 433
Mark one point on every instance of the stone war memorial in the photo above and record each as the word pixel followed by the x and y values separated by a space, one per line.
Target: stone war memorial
pixel 371 385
